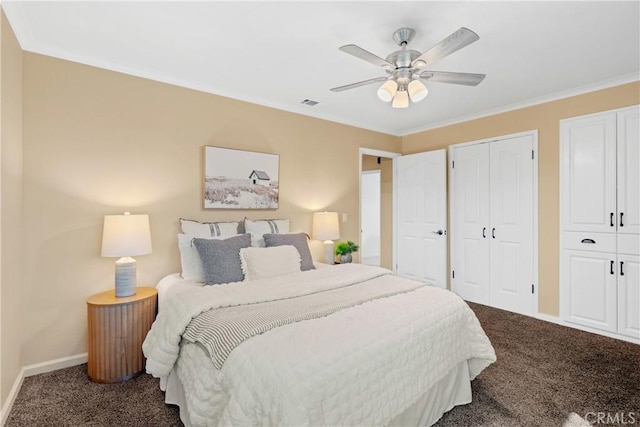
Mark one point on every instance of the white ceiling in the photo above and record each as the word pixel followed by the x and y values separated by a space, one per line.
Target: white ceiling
pixel 279 53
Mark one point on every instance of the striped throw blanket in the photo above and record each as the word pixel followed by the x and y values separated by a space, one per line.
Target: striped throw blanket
pixel 221 330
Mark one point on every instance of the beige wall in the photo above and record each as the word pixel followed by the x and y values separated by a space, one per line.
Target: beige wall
pixel 545 118
pixel 11 231
pixel 386 205
pixel 98 142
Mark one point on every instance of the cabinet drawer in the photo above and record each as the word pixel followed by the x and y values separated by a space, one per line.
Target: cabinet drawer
pixel 589 241
pixel 629 244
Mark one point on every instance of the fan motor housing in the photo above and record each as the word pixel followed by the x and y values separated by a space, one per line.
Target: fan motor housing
pixel 403 58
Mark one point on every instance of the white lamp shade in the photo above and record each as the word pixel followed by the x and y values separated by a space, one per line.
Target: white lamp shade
pixel 325 226
pixel 401 100
pixel 387 90
pixel 126 235
pixel 417 91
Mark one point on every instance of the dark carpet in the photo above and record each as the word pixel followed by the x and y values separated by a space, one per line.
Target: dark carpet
pixel 543 373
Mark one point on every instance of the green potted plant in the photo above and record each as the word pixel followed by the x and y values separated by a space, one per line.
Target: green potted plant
pixel 345 249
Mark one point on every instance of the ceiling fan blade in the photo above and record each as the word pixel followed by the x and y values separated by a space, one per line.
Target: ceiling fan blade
pixel 360 53
pixel 459 39
pixel 467 79
pixel 358 84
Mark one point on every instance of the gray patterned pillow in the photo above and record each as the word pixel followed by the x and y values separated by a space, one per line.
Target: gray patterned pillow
pixel 221 258
pixel 299 240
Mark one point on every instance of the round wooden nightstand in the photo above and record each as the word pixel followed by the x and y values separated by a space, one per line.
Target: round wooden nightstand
pixel 117 327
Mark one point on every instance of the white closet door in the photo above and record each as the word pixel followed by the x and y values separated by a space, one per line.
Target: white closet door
pixel 422 217
pixel 471 229
pixel 629 171
pixel 589 173
pixel 629 295
pixel 590 280
pixel 511 219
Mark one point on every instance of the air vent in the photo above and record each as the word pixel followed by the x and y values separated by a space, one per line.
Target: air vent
pixel 309 102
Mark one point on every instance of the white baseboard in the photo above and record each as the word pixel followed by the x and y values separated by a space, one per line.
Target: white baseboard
pixel 38 368
pixel 559 321
pixel 11 397
pixel 55 364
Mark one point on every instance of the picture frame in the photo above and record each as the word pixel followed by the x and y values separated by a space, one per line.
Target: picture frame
pixel 238 179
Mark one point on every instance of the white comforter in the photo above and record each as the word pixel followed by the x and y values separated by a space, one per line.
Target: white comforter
pixel 359 366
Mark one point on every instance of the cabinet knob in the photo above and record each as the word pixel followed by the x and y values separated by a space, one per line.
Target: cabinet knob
pixel 621 265
pixel 590 241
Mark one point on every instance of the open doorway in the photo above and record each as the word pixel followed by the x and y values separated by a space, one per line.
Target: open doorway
pixel 370 225
pixel 376 240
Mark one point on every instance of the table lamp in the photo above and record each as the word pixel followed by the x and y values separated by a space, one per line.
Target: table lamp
pixel 326 228
pixel 126 236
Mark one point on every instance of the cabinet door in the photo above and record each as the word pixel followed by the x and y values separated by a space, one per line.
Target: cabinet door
pixel 629 295
pixel 589 289
pixel 589 173
pixel 470 227
pixel 511 219
pixel 629 171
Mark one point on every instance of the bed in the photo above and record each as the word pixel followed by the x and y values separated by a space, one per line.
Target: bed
pixel 338 345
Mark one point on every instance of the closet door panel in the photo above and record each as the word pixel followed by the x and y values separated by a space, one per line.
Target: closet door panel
pixel 589 288
pixel 511 218
pixel 589 173
pixel 470 232
pixel 628 149
pixel 629 295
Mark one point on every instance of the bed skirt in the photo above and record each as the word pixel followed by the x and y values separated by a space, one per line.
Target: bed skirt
pixel 452 390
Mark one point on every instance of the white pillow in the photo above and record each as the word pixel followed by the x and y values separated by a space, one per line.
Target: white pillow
pixel 204 230
pixel 262 263
pixel 262 227
pixel 190 258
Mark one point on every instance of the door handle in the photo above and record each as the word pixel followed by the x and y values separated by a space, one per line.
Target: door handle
pixel 439 232
pixel 611 220
pixel 484 232
pixel 621 264
pixel 611 272
pixel 493 233
pixel 621 214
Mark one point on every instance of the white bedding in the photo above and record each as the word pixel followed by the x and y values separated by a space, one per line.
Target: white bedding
pixel 360 366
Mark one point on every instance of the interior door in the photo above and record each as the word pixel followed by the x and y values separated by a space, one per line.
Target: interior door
pixel 470 222
pixel 511 219
pixel 422 217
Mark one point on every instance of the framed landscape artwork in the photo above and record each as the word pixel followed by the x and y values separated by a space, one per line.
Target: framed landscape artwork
pixel 236 179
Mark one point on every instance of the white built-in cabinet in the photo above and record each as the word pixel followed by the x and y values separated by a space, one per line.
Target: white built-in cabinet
pixel 600 221
pixel 493 222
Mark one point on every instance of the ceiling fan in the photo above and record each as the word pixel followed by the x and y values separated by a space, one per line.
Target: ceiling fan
pixel 406 67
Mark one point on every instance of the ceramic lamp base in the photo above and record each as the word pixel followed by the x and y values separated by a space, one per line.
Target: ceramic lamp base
pixel 125 277
pixel 329 256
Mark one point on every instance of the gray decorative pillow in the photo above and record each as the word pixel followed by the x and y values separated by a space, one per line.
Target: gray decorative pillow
pixel 299 240
pixel 221 258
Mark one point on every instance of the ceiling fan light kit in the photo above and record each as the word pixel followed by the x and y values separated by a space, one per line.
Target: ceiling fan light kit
pixel 401 100
pixel 405 67
pixel 417 91
pixel 388 90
